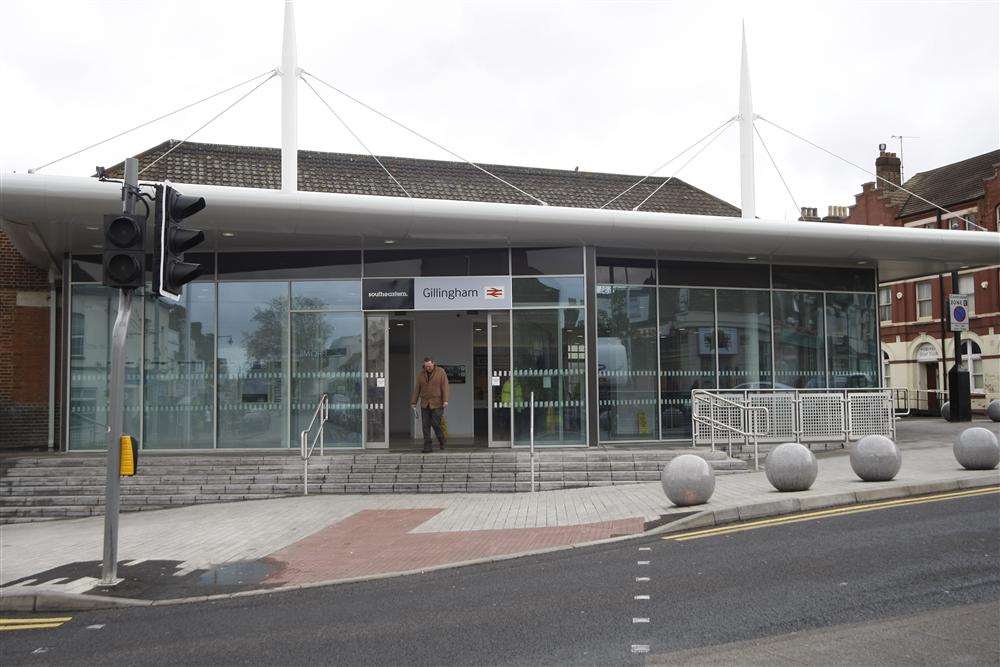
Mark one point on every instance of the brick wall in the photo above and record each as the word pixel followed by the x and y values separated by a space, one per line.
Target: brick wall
pixel 24 351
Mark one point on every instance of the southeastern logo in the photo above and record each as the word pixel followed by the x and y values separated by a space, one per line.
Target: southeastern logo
pixel 493 292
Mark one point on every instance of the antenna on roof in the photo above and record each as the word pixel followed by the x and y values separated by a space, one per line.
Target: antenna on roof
pixel 901 137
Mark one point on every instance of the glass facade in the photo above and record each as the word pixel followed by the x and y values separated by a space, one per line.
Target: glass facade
pixel 241 360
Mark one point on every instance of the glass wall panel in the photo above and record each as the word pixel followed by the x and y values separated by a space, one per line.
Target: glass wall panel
pixel 179 370
pixel 546 261
pixel 535 292
pixel 93 309
pixel 326 358
pixel 413 263
pixel 290 264
pixel 502 386
pixel 550 360
pixel 687 353
pixel 626 362
pixel 326 295
pixel 622 271
pixel 744 339
pixel 852 337
pixel 376 366
pixel 86 269
pixel 714 274
pixel 823 278
pixel 253 342
pixel 799 350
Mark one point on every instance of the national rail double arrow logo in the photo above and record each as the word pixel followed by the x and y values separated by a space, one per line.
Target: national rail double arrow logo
pixel 493 292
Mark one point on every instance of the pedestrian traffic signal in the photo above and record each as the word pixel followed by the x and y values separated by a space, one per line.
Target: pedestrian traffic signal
pixel 170 271
pixel 124 251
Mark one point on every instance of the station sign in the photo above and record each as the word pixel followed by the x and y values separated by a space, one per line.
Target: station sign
pixel 958 312
pixel 387 294
pixel 450 293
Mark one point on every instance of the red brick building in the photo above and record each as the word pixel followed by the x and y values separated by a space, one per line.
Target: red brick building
pixel 912 328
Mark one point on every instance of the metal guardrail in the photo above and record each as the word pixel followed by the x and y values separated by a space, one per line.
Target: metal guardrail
pixel 712 401
pixel 794 415
pixel 306 447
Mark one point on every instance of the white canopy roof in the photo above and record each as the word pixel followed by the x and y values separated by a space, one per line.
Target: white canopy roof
pixel 47 216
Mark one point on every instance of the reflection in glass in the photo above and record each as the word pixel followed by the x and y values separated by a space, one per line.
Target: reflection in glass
pixel 375 378
pixel 538 292
pixel 550 360
pixel 626 362
pixel 326 358
pixel 326 295
pixel 180 377
pixel 253 338
pixel 744 339
pixel 687 353
pixel 852 334
pixel 92 317
pixel 546 261
pixel 501 385
pixel 799 350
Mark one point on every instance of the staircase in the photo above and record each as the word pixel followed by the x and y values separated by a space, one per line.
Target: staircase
pixel 35 488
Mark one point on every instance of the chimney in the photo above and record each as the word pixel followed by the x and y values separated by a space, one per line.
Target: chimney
pixel 888 167
pixel 809 214
pixel 836 214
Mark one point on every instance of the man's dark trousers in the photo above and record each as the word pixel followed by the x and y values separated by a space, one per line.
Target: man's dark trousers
pixel 431 418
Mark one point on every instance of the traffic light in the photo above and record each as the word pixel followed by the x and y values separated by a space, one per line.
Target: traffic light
pixel 170 271
pixel 124 252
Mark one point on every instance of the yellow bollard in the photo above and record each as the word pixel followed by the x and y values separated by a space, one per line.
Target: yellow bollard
pixel 128 459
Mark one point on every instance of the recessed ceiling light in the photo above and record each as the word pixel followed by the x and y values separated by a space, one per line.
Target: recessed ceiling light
pixel 862 262
pixel 389 241
pixel 96 245
pixel 93 228
pixel 752 257
pixel 229 235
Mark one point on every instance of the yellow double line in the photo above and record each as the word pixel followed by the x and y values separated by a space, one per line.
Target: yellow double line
pixel 822 514
pixel 32 623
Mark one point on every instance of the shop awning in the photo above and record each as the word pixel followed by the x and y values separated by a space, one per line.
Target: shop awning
pixel 47 216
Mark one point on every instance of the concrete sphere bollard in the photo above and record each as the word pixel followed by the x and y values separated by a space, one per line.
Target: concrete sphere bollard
pixel 993 410
pixel 791 467
pixel 875 458
pixel 688 480
pixel 976 448
pixel 946 411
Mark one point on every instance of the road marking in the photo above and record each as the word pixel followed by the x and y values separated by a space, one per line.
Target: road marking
pixel 642 562
pixel 645 549
pixel 640 579
pixel 640 620
pixel 640 648
pixel 7 624
pixel 641 597
pixel 822 514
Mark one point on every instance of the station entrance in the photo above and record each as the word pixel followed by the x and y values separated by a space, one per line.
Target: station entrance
pixel 473 348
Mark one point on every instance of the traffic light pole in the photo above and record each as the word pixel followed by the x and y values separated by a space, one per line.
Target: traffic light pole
pixel 116 399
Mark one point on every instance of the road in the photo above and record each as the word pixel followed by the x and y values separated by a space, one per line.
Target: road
pixel 914 583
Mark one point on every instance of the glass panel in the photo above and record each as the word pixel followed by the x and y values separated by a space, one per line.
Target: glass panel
pixel 626 362
pixel 687 353
pixel 326 295
pixel 799 351
pixel 86 269
pixel 621 271
pixel 823 278
pixel 326 358
pixel 549 360
pixel 180 375
pixel 744 339
pixel 92 317
pixel 500 379
pixel 852 336
pixel 546 261
pixel 290 264
pixel 534 292
pixel 413 263
pixel 714 274
pixel 253 340
pixel 375 378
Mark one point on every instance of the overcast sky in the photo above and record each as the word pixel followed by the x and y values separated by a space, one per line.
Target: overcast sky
pixel 606 86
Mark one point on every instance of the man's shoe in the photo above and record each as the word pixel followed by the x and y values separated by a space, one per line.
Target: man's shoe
pixel 427 449
pixel 441 446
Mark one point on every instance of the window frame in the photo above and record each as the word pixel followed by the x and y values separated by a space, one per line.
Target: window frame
pixel 973 359
pixel 887 291
pixel 971 294
pixel 929 300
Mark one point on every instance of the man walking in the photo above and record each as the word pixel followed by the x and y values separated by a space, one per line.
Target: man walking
pixel 431 389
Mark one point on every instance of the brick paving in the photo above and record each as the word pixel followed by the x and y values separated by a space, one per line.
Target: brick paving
pixel 380 541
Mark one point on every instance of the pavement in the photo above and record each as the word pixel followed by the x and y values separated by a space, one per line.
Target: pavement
pixel 913 582
pixel 239 548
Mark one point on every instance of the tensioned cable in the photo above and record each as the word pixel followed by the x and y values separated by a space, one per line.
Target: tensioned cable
pixel 356 137
pixel 425 138
pixel 149 122
pixel 718 133
pixel 870 173
pixel 653 173
pixel 211 120
pixel 775 165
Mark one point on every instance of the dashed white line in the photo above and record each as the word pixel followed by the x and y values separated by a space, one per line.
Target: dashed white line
pixel 641 579
pixel 641 597
pixel 640 620
pixel 645 549
pixel 640 648
pixel 642 562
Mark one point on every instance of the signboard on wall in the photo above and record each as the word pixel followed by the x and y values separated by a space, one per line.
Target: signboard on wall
pixel 462 293
pixel 387 294
pixel 958 309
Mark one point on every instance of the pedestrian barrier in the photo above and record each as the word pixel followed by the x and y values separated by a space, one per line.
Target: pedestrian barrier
pixel 711 412
pixel 308 440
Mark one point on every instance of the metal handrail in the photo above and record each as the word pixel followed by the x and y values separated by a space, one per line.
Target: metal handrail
pixel 306 447
pixel 745 411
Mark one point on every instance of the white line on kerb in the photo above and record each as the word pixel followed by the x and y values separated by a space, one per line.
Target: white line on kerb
pixel 641 597
pixel 640 648
pixel 641 579
pixel 642 562
pixel 640 620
